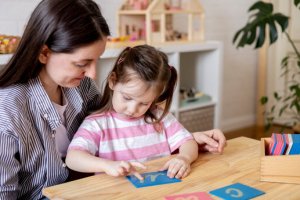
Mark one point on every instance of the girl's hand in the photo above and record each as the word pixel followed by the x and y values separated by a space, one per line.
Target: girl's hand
pixel 123 168
pixel 178 167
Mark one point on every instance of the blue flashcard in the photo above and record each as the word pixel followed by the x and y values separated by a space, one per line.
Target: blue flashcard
pixel 236 191
pixel 295 149
pixel 151 179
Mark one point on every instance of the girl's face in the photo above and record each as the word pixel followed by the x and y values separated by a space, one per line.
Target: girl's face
pixel 68 69
pixel 132 99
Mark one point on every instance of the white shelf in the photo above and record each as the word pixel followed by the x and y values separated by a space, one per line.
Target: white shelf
pixel 4 58
pixel 198 105
pixel 171 47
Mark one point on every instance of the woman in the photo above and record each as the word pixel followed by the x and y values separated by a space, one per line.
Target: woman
pixel 46 90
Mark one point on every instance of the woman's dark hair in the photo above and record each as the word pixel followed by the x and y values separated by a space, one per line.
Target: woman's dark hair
pixel 62 25
pixel 149 65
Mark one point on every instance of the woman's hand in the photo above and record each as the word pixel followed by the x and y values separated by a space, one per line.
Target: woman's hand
pixel 212 140
pixel 123 168
pixel 178 167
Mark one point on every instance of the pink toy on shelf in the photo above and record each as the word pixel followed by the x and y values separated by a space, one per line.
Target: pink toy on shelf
pixel 153 21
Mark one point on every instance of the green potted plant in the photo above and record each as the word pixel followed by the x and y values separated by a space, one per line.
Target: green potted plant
pixel 264 22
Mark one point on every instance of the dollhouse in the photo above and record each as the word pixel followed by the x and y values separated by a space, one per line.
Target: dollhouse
pixel 156 21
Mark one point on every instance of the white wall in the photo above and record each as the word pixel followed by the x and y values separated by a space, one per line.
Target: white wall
pixel 222 17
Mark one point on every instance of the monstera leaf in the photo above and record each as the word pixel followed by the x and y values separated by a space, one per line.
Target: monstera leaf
pixel 297 3
pixel 261 19
pixel 264 24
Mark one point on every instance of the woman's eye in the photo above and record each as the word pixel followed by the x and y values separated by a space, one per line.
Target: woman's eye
pixel 81 64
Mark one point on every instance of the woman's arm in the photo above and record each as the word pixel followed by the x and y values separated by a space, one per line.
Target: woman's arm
pixel 212 140
pixel 9 167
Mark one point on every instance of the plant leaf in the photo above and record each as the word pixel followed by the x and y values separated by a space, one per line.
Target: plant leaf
pixel 282 20
pixel 296 2
pixel 264 100
pixel 255 29
pixel 262 7
pixel 284 62
pixel 276 96
pixel 282 109
pixel 251 36
pixel 272 109
pixel 273 31
pixel 261 36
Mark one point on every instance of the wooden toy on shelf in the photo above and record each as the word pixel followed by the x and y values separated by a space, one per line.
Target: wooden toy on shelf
pixel 8 43
pixel 154 21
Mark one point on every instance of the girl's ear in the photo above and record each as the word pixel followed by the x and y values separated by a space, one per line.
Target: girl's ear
pixel 112 80
pixel 44 54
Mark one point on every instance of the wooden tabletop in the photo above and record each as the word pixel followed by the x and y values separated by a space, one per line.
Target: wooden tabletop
pixel 240 162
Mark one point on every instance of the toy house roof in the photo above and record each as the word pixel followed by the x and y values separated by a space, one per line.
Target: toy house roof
pixel 158 6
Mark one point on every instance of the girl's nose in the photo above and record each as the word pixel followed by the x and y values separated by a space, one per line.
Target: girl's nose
pixel 131 110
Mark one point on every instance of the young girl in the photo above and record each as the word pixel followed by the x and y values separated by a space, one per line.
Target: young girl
pixel 131 128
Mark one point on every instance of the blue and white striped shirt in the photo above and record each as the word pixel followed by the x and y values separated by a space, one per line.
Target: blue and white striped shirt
pixel 29 160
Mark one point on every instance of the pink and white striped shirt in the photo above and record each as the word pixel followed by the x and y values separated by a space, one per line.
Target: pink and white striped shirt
pixel 114 137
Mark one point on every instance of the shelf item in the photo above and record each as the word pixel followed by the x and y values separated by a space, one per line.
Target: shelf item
pixel 280 169
pixel 8 43
pixel 198 119
pixel 195 101
pixel 154 21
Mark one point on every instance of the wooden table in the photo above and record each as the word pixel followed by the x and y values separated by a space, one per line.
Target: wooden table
pixel 240 162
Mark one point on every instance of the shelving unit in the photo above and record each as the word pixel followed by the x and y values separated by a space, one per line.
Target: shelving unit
pixel 199 65
pixel 4 59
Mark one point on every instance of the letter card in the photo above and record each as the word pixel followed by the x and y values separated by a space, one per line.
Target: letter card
pixel 152 178
pixel 190 196
pixel 237 191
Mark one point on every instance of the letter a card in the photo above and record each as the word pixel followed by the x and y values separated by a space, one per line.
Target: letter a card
pixel 151 179
pixel 237 191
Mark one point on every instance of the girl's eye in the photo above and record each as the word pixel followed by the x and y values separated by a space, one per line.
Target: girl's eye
pixel 127 98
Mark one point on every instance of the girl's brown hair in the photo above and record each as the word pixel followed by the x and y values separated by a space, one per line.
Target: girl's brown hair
pixel 151 66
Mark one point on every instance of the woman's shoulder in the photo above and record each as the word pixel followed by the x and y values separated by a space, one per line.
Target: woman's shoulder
pixel 13 94
pixel 12 105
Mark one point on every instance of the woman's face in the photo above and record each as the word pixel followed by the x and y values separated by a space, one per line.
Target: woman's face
pixel 68 69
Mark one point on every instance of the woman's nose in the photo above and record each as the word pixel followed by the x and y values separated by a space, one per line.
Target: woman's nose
pixel 91 71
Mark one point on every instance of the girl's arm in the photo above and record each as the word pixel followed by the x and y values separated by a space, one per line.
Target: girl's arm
pixel 180 166
pixel 189 151
pixel 84 162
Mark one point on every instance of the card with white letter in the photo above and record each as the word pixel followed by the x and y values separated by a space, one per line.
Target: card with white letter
pixel 237 191
pixel 152 178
